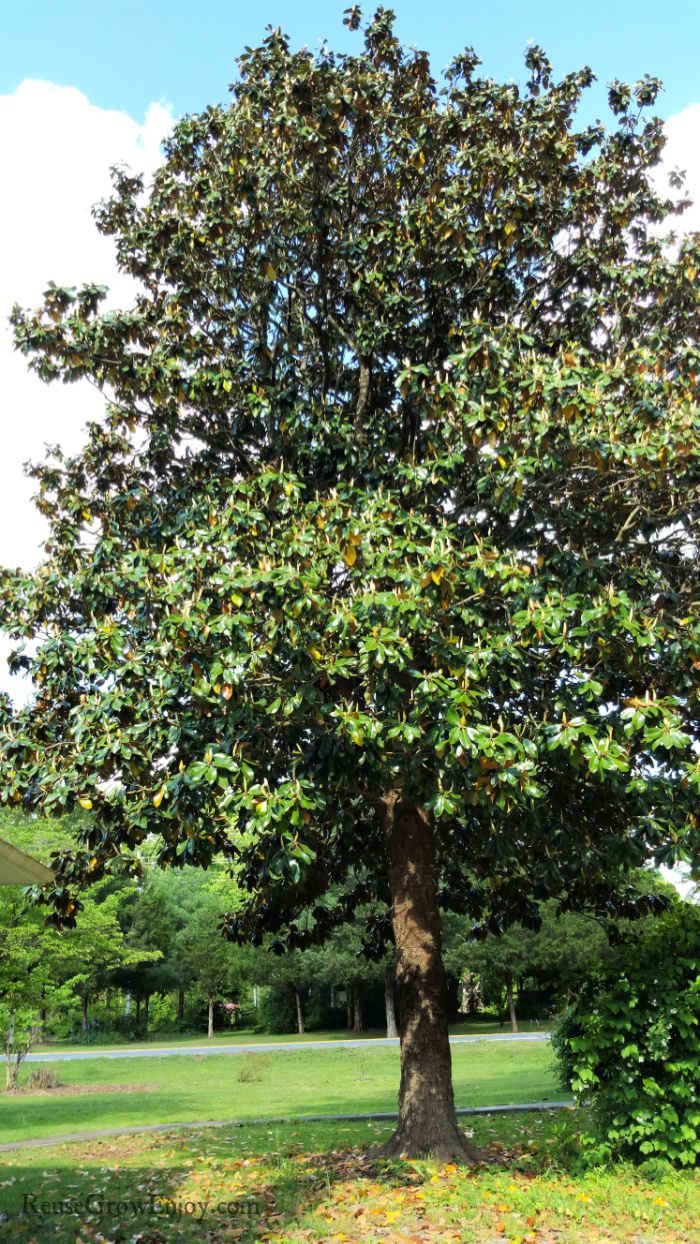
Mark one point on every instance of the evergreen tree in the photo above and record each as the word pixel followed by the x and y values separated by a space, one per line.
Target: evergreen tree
pixel 379 576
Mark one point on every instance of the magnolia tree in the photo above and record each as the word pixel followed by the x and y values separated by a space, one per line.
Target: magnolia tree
pixel 379 575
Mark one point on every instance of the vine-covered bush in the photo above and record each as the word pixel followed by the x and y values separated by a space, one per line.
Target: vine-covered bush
pixel 564 1027
pixel 633 1045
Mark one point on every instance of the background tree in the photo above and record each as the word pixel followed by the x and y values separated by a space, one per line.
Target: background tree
pixel 379 576
pixel 151 919
pixel 341 962
pixel 555 956
pixel 35 987
pixel 207 959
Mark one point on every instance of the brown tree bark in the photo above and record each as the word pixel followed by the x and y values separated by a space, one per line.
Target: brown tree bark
pixel 358 1017
pixel 389 978
pixel 427 1122
pixel 146 1003
pixel 348 1004
pixel 511 1003
pixel 210 1025
pixel 300 1012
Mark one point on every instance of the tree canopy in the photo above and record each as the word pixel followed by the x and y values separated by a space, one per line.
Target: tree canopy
pixel 383 559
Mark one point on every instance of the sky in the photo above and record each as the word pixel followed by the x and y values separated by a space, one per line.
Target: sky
pixel 85 85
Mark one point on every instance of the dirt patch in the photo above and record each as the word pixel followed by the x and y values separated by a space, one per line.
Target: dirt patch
pixel 74 1090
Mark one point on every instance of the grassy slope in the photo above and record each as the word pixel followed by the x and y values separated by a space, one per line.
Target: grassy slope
pixel 207 1087
pixel 309 1184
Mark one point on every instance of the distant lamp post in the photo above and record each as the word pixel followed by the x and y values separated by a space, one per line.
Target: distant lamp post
pixel 18 868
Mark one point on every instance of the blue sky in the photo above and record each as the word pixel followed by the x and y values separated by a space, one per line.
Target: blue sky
pixel 123 54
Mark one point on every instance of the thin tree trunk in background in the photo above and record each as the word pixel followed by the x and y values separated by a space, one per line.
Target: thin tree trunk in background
pixel 84 1004
pixel 348 1003
pixel 146 1003
pixel 127 1004
pixel 180 1006
pixel 511 1003
pixel 300 1012
pixel 389 978
pixel 358 1021
pixel 427 1122
pixel 210 1027
pixel 138 1009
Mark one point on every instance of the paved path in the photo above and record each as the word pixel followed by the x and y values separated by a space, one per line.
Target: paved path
pixel 99 1133
pixel 169 1050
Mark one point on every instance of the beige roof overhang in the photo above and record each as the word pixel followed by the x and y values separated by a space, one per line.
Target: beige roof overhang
pixel 18 868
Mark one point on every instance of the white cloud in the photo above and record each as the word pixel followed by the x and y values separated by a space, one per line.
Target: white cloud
pixel 56 150
pixel 682 152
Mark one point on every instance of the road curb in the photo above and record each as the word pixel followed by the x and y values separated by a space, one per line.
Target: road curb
pixel 45 1142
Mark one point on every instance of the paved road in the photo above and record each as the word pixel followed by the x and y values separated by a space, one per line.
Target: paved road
pixel 169 1050
pixel 99 1133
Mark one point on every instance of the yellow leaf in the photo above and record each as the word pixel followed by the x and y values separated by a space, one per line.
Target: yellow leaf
pixel 85 803
pixel 227 691
pixel 159 797
pixel 540 562
pixel 436 575
pixel 519 488
pixel 130 504
pixel 350 555
pixel 314 652
pixel 502 462
pixel 355 537
pixel 690 273
pixel 270 272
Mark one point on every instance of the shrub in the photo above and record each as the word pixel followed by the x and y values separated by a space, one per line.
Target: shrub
pixel 278 1012
pixel 564 1027
pixel 631 1044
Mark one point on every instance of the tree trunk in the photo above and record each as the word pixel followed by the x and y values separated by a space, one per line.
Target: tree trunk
pixel 210 1028
pixel 427 1122
pixel 358 1022
pixel 138 1009
pixel 348 1004
pixel 300 1012
pixel 146 1002
pixel 389 978
pixel 511 1003
pixel 180 1006
pixel 84 1004
pixel 127 1004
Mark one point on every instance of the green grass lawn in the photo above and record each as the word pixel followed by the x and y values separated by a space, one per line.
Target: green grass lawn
pixel 247 1036
pixel 247 1086
pixel 312 1183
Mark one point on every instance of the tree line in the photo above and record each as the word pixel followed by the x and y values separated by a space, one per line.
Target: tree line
pixel 158 939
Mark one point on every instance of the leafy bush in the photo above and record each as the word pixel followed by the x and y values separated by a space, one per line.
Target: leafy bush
pixel 565 1026
pixel 278 1012
pixel 631 1044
